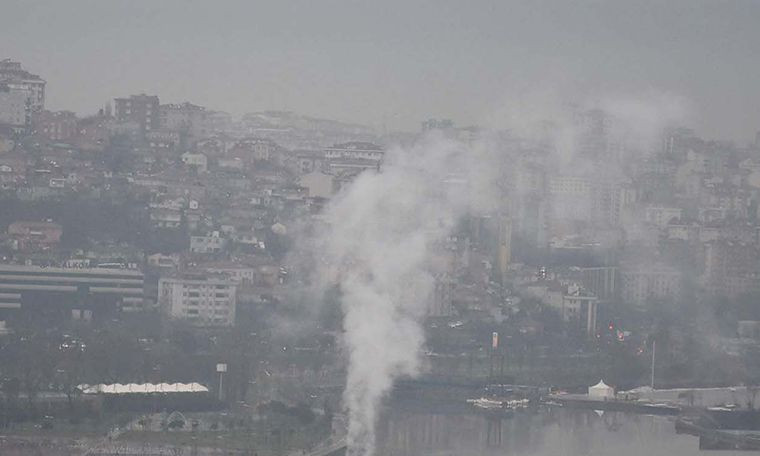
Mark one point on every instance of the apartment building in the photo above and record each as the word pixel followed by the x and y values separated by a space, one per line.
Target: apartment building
pixel 200 300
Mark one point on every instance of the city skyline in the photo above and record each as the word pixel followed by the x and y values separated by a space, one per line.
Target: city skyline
pixel 395 65
pixel 379 228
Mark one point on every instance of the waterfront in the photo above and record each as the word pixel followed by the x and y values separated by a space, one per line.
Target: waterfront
pixel 548 431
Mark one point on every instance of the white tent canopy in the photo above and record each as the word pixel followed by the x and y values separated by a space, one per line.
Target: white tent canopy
pixel 143 388
pixel 601 391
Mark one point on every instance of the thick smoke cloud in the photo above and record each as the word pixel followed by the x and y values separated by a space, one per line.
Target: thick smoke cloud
pixel 545 116
pixel 380 229
pixel 378 237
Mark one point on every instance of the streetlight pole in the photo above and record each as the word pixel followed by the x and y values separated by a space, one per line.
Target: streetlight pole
pixel 654 351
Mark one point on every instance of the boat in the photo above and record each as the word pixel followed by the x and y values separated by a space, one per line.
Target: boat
pixel 499 404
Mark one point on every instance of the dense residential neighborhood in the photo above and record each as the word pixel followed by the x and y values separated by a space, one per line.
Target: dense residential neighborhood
pixel 165 243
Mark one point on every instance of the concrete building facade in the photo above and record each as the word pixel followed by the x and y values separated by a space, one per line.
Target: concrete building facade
pixel 69 291
pixel 14 110
pixel 201 301
pixel 141 109
pixel 14 75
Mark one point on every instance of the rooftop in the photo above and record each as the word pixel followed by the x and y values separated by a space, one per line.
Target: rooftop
pixel 10 69
pixel 356 145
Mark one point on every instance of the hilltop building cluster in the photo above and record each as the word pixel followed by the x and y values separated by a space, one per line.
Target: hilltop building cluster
pixel 201 210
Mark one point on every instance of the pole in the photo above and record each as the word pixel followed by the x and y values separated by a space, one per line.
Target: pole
pixel 654 350
pixel 220 386
pixel 490 367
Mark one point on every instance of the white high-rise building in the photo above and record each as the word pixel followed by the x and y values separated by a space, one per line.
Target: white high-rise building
pixel 199 301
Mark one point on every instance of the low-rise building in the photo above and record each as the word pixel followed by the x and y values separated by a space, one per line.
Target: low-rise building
pixel 642 282
pixel 549 292
pixel 166 217
pixel 197 161
pixel 185 118
pixel 252 150
pixel 163 261
pixel 34 236
pixel 93 133
pixel 211 243
pixel 308 161
pixel 239 273
pixel 56 126
pixel 355 150
pixel 662 216
pixel 162 140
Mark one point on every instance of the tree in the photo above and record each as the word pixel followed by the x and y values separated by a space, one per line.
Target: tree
pixel 32 362
pixel 70 368
pixel 113 355
pixel 238 346
pixel 11 387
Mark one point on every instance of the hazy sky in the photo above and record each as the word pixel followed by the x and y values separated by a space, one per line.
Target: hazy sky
pixel 398 60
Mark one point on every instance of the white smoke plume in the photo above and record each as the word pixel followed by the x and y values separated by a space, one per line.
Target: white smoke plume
pixel 545 115
pixel 379 233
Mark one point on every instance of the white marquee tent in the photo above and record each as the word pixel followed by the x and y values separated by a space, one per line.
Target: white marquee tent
pixel 143 388
pixel 601 391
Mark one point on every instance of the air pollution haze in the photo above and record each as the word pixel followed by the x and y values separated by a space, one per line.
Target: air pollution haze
pixel 637 119
pixel 379 230
pixel 379 233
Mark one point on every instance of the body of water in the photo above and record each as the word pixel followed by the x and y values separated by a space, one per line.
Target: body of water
pixel 547 431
